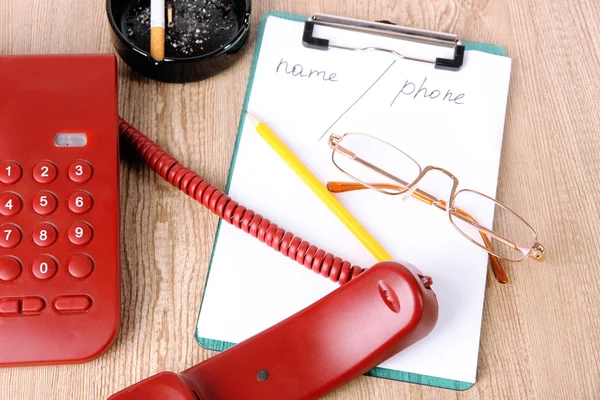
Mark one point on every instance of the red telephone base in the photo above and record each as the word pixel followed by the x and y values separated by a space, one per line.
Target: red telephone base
pixel 315 351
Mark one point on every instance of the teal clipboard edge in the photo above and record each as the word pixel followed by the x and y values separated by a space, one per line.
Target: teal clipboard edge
pixel 218 345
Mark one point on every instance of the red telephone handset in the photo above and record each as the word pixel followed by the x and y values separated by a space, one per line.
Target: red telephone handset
pixel 338 338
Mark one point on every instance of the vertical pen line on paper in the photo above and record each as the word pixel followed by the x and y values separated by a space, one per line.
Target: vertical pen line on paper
pixel 357 100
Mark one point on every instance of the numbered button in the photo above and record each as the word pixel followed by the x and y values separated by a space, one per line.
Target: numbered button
pixel 44 235
pixel 80 202
pixel 10 204
pixel 44 203
pixel 45 172
pixel 80 233
pixel 80 266
pixel 10 172
pixel 80 171
pixel 10 269
pixel 44 267
pixel 10 236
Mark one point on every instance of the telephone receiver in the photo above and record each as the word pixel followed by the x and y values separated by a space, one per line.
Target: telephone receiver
pixel 315 351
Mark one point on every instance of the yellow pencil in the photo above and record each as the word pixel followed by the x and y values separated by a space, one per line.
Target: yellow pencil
pixel 320 190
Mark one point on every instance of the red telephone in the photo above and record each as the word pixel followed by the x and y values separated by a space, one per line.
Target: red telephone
pixel 59 208
pixel 59 252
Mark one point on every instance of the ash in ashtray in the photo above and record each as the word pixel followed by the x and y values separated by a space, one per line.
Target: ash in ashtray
pixel 198 26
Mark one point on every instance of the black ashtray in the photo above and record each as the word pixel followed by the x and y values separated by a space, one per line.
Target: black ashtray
pixel 201 41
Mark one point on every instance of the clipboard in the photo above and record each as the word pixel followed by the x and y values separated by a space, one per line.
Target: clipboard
pixel 312 41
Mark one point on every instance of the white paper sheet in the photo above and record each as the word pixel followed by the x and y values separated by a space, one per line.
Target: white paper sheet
pixel 251 287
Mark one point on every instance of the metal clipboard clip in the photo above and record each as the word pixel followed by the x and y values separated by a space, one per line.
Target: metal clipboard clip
pixel 389 29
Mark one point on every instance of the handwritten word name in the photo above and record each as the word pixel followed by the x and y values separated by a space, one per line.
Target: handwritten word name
pixel 299 71
pixel 410 89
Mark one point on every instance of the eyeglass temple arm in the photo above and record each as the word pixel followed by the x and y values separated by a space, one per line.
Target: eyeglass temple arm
pixel 341 187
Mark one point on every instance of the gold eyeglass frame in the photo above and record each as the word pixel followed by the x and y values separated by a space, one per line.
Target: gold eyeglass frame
pixel 537 251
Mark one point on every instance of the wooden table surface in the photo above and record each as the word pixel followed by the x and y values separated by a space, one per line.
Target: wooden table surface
pixel 541 332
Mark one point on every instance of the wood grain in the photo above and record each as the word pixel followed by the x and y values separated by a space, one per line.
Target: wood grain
pixel 541 332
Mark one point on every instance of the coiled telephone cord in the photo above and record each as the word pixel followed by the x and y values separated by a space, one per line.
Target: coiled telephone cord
pixel 224 207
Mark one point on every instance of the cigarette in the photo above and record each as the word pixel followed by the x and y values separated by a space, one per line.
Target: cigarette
pixel 157 29
pixel 169 14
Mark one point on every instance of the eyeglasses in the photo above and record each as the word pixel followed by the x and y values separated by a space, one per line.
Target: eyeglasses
pixel 378 165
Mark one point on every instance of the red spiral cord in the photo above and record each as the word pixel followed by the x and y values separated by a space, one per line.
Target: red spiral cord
pixel 233 213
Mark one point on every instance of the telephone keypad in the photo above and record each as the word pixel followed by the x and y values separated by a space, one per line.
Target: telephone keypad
pixel 44 234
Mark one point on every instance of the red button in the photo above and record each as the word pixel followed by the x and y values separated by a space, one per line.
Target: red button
pixel 80 266
pixel 10 172
pixel 80 233
pixel 10 204
pixel 10 269
pixel 80 202
pixel 44 235
pixel 72 303
pixel 80 171
pixel 32 305
pixel 44 203
pixel 44 267
pixel 10 236
pixel 45 172
pixel 24 306
pixel 9 307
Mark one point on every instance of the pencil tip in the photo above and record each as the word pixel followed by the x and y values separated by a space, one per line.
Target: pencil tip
pixel 255 121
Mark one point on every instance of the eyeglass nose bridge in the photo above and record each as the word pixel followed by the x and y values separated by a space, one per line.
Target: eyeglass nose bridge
pixel 413 186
